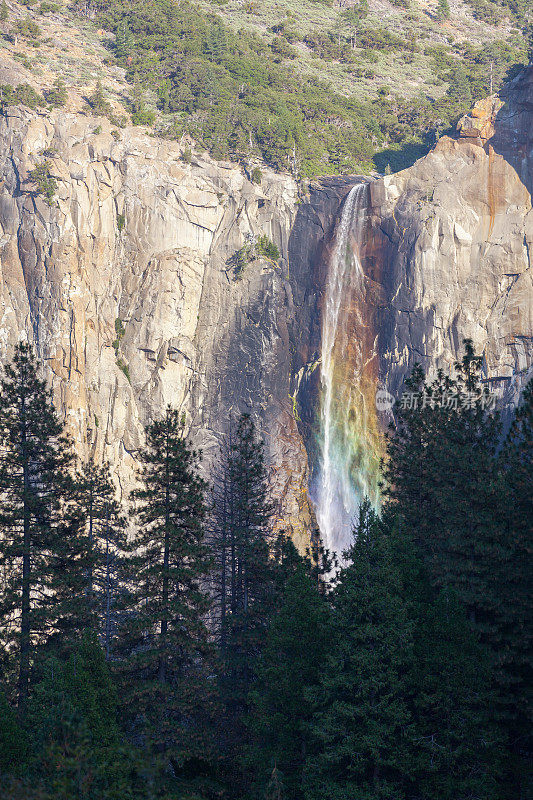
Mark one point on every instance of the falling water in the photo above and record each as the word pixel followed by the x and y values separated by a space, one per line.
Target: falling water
pixel 350 440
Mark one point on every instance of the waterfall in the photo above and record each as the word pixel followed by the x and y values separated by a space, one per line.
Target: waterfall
pixel 350 442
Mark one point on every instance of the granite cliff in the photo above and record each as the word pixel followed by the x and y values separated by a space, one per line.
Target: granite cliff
pixel 122 281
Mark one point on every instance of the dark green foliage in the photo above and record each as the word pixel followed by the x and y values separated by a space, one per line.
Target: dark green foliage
pixel 140 115
pixel 455 745
pixel 441 477
pixel 514 581
pixel 28 30
pixel 237 672
pixel 238 95
pixel 443 10
pixel 104 544
pixel 265 247
pixel 244 577
pixel 99 103
pixel 72 718
pixel 254 247
pixel 39 527
pixel 119 325
pixel 363 717
pixel 455 499
pixel 403 707
pixel 124 368
pixel 4 11
pixel 166 636
pixel 13 743
pixel 256 176
pixel 290 667
pixel 230 93
pixel 49 8
pixel 57 97
pixel 45 184
pixel 24 93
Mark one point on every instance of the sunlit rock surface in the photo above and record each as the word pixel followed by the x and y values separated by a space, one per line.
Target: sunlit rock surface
pixel 123 286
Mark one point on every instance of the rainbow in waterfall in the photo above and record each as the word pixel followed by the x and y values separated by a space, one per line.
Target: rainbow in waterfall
pixel 350 440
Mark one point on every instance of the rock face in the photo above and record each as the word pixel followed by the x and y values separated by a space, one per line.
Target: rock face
pixel 450 245
pixel 122 281
pixel 446 250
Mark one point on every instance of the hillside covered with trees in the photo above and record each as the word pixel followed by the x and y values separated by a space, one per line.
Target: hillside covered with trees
pixel 309 87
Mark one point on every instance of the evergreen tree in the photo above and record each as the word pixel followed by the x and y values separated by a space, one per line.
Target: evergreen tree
pixel 276 788
pixel 292 660
pixel 72 716
pixel 454 752
pixel 443 10
pixel 442 482
pixel 13 743
pixel 104 543
pixel 58 96
pixel 124 41
pixel 39 546
pixel 4 11
pixel 362 718
pixel 514 585
pixel 166 632
pixel 244 576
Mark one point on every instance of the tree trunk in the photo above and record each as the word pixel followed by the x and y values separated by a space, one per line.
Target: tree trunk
pixel 25 628
pixel 166 562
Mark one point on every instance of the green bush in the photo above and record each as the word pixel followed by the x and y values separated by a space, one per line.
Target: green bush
pixel 253 248
pixel 119 327
pixel 257 175
pixel 98 101
pixel 24 94
pixel 58 96
pixel 45 184
pixel 27 29
pixel 143 117
pixel 265 247
pixel 49 8
pixel 123 367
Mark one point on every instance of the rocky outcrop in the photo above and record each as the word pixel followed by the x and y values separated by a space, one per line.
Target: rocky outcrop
pixel 121 280
pixel 446 249
pixel 449 244
pixel 122 284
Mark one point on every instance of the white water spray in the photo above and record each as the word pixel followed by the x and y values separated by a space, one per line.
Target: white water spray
pixel 349 436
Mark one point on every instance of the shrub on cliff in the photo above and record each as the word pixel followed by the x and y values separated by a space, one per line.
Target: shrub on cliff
pixel 45 184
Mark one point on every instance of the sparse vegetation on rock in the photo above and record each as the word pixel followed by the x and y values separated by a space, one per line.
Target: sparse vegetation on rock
pixel 45 184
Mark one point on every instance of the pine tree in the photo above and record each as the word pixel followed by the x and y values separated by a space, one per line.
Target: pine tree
pixel 13 742
pixel 454 751
pixel 442 482
pixel 514 582
pixel 362 718
pixel 124 42
pixel 4 11
pixel 39 545
pixel 104 543
pixel 166 631
pixel 276 788
pixel 443 10
pixel 244 576
pixel 72 716
pixel 291 664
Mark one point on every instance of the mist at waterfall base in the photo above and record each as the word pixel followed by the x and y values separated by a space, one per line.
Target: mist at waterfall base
pixel 350 443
